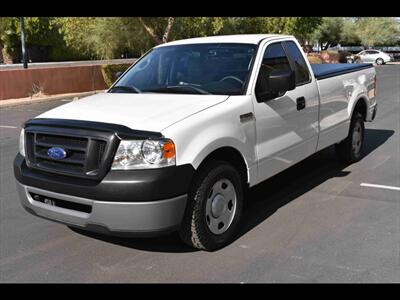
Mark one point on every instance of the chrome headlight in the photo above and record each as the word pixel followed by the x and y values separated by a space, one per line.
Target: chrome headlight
pixel 144 154
pixel 22 142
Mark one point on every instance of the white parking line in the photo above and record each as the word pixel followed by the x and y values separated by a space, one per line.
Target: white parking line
pixel 379 186
pixel 5 126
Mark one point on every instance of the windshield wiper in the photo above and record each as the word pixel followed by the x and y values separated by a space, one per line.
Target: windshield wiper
pixel 125 88
pixel 177 88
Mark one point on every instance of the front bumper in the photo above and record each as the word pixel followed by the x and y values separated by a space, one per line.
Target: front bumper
pixel 114 218
pixel 116 186
pixel 137 202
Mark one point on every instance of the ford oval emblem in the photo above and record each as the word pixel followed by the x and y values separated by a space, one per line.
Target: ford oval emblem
pixel 56 153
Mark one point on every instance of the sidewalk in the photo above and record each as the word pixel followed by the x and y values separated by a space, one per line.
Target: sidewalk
pixel 45 98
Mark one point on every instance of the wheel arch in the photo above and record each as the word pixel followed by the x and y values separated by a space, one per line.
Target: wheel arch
pixel 361 106
pixel 232 156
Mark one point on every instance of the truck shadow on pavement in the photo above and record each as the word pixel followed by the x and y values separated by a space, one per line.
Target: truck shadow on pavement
pixel 265 199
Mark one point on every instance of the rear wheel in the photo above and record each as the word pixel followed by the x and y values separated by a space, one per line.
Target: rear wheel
pixel 350 149
pixel 379 61
pixel 214 207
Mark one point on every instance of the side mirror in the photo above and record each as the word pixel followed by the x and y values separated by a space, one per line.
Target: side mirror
pixel 118 74
pixel 281 81
pixel 278 82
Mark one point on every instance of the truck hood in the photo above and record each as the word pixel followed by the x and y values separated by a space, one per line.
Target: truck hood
pixel 150 112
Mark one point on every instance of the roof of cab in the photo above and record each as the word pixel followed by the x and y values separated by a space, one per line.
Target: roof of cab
pixel 238 38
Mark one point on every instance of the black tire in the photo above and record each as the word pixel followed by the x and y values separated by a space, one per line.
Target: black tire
pixel 194 230
pixel 345 150
pixel 379 61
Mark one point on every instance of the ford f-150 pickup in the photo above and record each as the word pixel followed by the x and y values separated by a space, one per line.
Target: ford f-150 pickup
pixel 176 140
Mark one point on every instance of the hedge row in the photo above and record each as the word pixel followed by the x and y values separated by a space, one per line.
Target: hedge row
pixel 328 57
pixel 110 72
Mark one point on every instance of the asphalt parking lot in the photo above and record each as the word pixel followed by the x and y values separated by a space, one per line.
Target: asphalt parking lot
pixel 319 221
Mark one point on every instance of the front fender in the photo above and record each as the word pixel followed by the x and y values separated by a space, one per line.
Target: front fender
pixel 219 126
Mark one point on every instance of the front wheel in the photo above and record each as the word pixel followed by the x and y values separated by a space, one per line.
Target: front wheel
pixel 214 207
pixel 350 149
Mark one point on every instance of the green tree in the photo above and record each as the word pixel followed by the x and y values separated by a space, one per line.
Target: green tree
pixel 189 27
pixel 3 28
pixel 349 32
pixel 301 27
pixel 8 37
pixel 105 37
pixel 77 33
pixel 112 37
pixel 373 31
pixel 162 30
pixel 256 25
pixel 126 36
pixel 39 31
pixel 158 29
pixel 329 32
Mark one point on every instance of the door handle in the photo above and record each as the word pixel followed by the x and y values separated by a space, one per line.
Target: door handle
pixel 301 103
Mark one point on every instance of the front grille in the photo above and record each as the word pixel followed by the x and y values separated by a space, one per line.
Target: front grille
pixel 85 155
pixel 72 142
pixel 62 203
pixel 76 149
pixel 90 146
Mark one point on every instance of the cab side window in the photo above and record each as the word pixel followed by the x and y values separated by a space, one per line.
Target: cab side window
pixel 274 59
pixel 302 73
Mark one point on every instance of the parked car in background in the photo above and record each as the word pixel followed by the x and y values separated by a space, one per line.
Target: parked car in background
pixel 393 51
pixel 370 56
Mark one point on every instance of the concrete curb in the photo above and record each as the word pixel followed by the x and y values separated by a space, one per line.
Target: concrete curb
pixel 25 101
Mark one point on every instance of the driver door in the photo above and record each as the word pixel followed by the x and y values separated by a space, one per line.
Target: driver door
pixel 285 133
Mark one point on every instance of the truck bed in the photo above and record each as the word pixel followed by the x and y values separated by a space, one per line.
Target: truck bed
pixel 322 71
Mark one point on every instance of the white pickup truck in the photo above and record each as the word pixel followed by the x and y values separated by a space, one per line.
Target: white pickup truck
pixel 175 141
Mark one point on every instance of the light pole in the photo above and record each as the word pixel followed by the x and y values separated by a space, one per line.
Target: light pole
pixel 24 60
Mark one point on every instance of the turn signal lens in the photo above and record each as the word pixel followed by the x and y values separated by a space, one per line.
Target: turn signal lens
pixel 169 149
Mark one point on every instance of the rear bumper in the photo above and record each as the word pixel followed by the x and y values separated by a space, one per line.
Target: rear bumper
pixel 371 113
pixel 114 218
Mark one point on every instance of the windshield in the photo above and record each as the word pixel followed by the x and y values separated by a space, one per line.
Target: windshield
pixel 219 69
